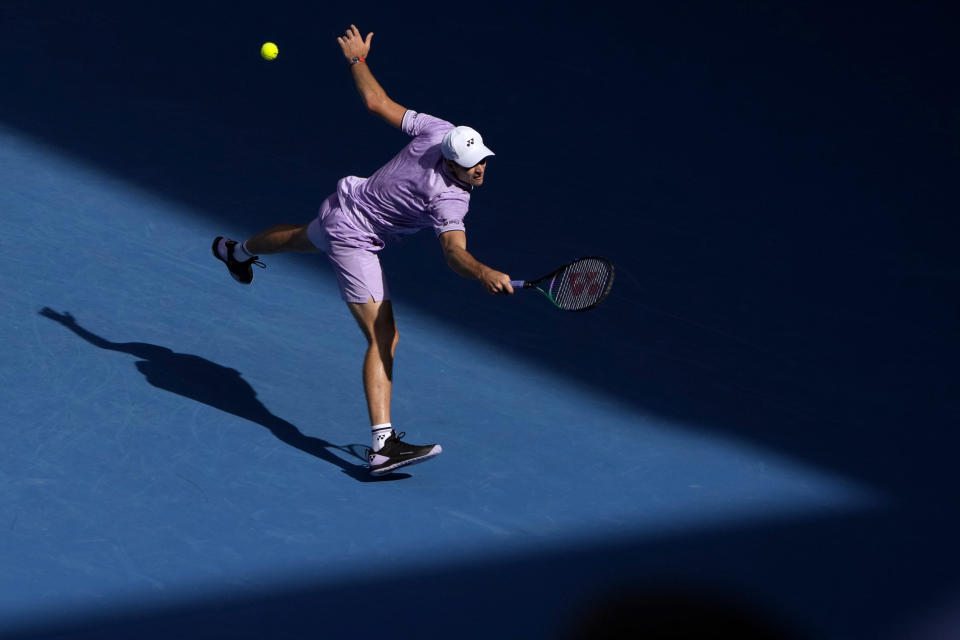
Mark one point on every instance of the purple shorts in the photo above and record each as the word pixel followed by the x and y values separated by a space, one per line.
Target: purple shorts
pixel 358 270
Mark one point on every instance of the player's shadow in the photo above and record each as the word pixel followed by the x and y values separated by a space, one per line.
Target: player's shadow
pixel 222 388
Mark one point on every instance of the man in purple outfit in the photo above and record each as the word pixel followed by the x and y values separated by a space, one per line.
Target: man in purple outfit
pixel 427 185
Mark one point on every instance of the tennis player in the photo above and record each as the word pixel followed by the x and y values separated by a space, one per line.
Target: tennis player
pixel 427 185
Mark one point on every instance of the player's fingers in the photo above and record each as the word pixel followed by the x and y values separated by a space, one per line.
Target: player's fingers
pixel 369 38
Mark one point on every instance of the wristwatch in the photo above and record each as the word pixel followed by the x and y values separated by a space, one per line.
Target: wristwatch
pixel 356 59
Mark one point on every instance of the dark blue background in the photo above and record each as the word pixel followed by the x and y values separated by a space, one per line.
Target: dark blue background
pixel 775 182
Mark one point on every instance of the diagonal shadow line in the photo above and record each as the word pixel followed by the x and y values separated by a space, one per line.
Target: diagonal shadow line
pixel 625 582
pixel 222 388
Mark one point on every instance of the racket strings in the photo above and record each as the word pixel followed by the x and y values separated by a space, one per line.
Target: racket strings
pixel 582 284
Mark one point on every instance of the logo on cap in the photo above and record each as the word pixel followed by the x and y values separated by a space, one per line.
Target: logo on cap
pixel 464 146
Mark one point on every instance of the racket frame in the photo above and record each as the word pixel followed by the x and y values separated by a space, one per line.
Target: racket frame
pixel 533 284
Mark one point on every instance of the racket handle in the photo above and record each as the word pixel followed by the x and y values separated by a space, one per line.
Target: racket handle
pixel 517 284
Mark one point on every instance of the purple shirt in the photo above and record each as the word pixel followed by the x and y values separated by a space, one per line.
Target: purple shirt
pixel 413 191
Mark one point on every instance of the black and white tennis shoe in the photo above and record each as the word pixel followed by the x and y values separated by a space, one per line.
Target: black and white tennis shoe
pixel 242 272
pixel 395 454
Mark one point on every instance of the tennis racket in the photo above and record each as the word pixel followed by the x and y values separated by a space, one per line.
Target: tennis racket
pixel 578 286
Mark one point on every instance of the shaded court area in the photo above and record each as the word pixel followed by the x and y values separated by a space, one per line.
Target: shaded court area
pixel 754 434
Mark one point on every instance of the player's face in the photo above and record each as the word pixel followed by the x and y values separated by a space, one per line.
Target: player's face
pixel 472 176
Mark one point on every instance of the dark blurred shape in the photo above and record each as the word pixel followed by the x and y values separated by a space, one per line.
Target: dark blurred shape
pixel 675 615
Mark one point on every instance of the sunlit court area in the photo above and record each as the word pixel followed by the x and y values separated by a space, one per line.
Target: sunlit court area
pixel 754 435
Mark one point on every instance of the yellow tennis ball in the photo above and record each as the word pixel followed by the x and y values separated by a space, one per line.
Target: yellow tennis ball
pixel 269 51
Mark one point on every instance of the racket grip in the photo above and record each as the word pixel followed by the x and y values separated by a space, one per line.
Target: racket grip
pixel 517 284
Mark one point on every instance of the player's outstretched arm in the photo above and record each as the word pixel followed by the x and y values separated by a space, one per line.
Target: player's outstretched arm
pixel 374 97
pixel 454 245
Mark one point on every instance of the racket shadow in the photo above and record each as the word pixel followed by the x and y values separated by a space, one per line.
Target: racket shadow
pixel 222 388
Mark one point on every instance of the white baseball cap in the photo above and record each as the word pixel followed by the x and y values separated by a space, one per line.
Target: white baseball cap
pixel 464 146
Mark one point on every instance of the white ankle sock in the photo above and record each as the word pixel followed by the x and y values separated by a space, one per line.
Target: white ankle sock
pixel 240 252
pixel 380 434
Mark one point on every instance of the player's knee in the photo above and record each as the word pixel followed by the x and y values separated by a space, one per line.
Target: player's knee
pixel 387 335
pixel 300 240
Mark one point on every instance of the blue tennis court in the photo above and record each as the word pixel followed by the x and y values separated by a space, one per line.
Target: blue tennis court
pixel 753 434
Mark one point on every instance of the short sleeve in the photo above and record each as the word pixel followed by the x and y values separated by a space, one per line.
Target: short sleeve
pixel 417 124
pixel 447 211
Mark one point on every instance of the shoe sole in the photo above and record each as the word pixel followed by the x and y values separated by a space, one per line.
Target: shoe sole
pixel 437 450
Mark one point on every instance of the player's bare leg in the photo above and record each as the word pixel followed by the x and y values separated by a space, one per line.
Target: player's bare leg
pixel 280 238
pixel 378 326
pixel 241 256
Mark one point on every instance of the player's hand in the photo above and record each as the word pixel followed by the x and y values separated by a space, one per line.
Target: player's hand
pixel 496 282
pixel 353 45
